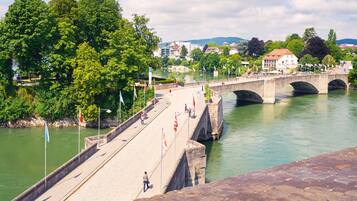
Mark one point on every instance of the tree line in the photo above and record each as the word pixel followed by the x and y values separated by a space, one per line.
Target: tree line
pixel 81 52
pixel 309 48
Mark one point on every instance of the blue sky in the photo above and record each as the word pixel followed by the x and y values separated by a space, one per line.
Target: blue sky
pixel 266 19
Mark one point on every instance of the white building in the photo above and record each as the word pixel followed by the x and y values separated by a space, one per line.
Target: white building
pixel 280 60
pixel 233 51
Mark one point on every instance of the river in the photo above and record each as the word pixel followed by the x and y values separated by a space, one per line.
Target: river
pixel 22 155
pixel 262 136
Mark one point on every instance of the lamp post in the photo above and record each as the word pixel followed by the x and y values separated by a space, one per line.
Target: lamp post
pixel 99 110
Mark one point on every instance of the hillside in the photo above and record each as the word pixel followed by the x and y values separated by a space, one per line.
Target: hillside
pixel 347 41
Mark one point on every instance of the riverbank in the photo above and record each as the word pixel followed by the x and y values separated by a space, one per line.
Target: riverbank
pixel 35 122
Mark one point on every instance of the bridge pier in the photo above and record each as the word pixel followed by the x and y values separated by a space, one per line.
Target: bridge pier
pixel 269 91
pixel 323 83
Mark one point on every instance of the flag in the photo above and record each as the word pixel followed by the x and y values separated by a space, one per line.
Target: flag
pixel 81 117
pixel 164 142
pixel 193 101
pixel 175 123
pixel 47 135
pixel 121 98
pixel 135 95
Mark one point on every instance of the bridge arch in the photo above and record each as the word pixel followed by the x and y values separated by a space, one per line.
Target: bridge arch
pixel 247 96
pixel 304 87
pixel 337 84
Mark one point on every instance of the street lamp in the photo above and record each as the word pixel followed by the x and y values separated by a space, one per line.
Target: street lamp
pixel 99 110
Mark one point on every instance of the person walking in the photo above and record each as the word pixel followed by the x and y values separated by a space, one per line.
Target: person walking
pixel 186 107
pixel 146 181
pixel 142 117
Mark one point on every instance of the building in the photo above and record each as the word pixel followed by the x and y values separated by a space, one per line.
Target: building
pixel 173 49
pixel 280 60
pixel 348 46
pixel 212 50
pixel 233 51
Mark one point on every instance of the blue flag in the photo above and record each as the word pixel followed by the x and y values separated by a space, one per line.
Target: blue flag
pixel 47 134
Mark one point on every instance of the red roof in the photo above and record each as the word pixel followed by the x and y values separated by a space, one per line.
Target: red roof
pixel 277 54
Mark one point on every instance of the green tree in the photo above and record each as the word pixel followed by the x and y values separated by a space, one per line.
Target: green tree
pixel 226 50
pixel 272 45
pixel 63 9
pixel 210 62
pixel 183 52
pixel 309 33
pixel 309 59
pixel 6 73
pixel 329 61
pixel 145 34
pixel 89 79
pixel 332 36
pixel 352 77
pixel 29 31
pixel 292 37
pixel 96 19
pixel 196 54
pixel 296 46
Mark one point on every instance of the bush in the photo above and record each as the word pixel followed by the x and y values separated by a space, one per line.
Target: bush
pixel 15 108
pixel 352 77
pixel 54 105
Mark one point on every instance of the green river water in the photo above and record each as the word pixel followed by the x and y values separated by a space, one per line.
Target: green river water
pixel 22 155
pixel 262 136
pixel 254 137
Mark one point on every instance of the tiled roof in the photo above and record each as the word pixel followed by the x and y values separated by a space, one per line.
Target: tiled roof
pixel 277 54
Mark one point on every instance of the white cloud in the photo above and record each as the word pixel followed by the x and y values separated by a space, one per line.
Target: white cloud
pixel 266 19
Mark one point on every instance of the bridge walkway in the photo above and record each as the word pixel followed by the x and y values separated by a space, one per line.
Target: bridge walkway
pixel 77 177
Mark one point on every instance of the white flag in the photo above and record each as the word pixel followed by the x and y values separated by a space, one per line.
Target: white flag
pixel 121 98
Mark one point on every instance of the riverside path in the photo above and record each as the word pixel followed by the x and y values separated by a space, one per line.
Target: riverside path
pixel 115 171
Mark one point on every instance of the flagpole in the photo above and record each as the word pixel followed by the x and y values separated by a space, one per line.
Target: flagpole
pixel 79 135
pixel 162 133
pixel 45 159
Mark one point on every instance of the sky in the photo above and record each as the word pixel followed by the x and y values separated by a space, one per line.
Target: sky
pixel 265 19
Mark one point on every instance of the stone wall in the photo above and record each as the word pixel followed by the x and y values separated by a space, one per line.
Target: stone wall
pixel 215 110
pixel 40 187
pixel 103 139
pixel 191 170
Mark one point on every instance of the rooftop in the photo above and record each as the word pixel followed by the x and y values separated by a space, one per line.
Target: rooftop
pixel 277 54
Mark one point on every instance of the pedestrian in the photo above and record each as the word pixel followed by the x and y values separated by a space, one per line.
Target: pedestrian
pixel 185 107
pixel 142 117
pixel 189 112
pixel 146 181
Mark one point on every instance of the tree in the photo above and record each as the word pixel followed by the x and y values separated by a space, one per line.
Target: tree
pixel 205 48
pixel 309 59
pixel 210 62
pixel 292 37
pixel 329 61
pixel 96 18
pixel 6 73
pixel 196 54
pixel 145 34
pixel 89 79
pixel 272 45
pixel 226 51
pixel 255 47
pixel 331 37
pixel 352 77
pixel 29 31
pixel 309 33
pixel 63 9
pixel 184 52
pixel 296 46
pixel 316 47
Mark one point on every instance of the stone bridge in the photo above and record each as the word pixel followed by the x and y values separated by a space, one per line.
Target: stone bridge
pixel 264 90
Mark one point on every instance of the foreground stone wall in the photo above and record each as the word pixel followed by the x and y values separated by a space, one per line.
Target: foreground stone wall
pixel 326 177
pixel 191 169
